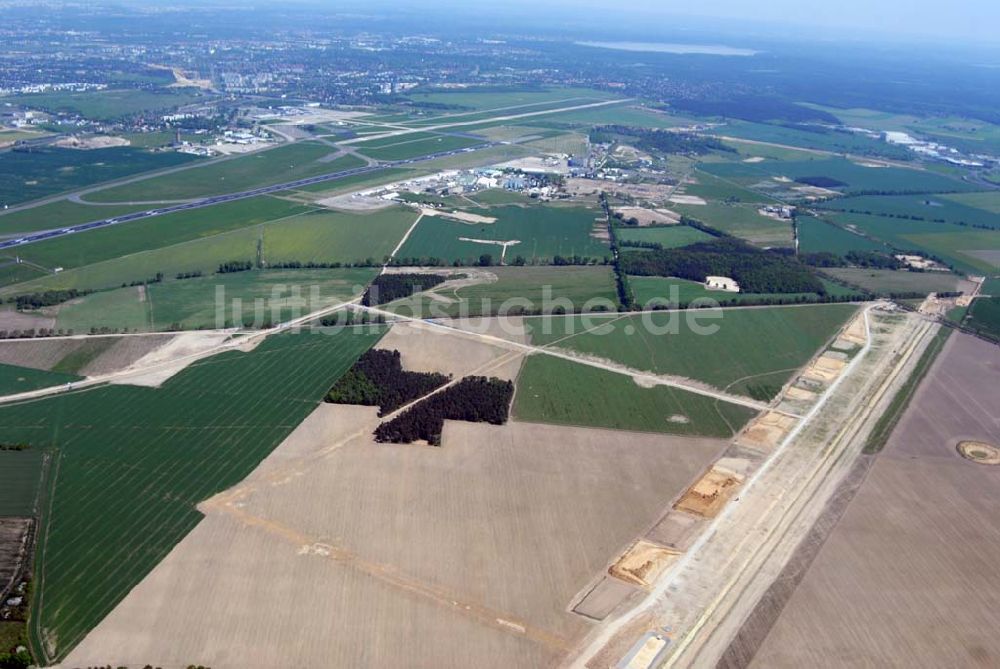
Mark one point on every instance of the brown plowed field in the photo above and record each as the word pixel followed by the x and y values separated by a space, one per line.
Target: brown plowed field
pixel 909 577
pixel 338 552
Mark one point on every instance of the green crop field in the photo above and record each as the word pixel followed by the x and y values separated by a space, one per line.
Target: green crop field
pixel 966 134
pixel 121 309
pixel 711 187
pixel 543 231
pixel 753 350
pixel 283 294
pixel 8 136
pixel 668 237
pixel 44 171
pixel 886 281
pixel 12 273
pixel 740 220
pixel 932 208
pixel 984 316
pixel 553 390
pixel 969 249
pixel 113 104
pixel 191 303
pixel 131 463
pixel 856 177
pixel 679 292
pixel 519 288
pixel 271 166
pixel 320 236
pixel 20 475
pixel 59 214
pixel 837 142
pixel 14 379
pixel 986 200
pixel 817 236
pixel 497 196
pixel 752 150
pixel 114 241
pixel 412 146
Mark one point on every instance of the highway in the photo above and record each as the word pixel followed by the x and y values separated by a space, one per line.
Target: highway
pixel 219 199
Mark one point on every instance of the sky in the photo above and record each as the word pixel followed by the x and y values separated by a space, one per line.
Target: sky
pixel 944 20
pixel 977 20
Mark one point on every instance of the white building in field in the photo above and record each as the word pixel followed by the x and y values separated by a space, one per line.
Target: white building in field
pixel 722 283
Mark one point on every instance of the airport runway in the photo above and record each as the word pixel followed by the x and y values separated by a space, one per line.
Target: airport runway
pixel 219 199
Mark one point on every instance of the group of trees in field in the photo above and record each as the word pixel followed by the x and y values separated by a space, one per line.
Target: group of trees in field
pixel 390 287
pixel 46 298
pixel 655 140
pixel 756 270
pixel 475 399
pixel 378 379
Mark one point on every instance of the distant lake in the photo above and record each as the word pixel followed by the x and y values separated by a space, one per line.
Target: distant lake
pixel 671 47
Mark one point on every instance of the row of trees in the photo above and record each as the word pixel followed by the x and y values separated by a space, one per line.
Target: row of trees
pixel 14 446
pixel 756 271
pixel 378 379
pixel 46 298
pixel 347 317
pixel 475 399
pixel 234 266
pixel 33 333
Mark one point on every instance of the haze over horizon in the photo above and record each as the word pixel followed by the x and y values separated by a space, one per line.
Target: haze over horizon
pixel 969 20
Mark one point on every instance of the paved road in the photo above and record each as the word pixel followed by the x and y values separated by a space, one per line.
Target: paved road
pixel 219 199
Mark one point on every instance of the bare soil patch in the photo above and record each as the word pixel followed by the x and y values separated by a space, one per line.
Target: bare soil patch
pixel 710 493
pixel 687 199
pixel 643 563
pixel 825 368
pixel 424 349
pixel 460 216
pixel 168 358
pixel 979 452
pixel 11 319
pixel 677 530
pixel 14 548
pixel 647 216
pixel 766 431
pixel 84 143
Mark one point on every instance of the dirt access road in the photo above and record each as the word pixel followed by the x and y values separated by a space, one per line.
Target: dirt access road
pixel 704 598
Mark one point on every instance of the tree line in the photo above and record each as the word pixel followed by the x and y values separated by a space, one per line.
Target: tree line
pixel 756 270
pixel 46 298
